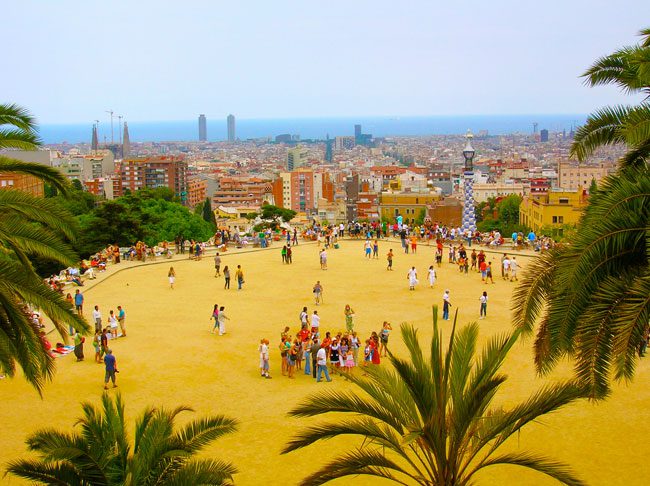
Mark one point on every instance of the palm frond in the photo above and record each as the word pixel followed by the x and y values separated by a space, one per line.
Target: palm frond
pixel 54 474
pixel 555 469
pixel 602 128
pixel 200 472
pixel 198 434
pixel 17 116
pixel 49 175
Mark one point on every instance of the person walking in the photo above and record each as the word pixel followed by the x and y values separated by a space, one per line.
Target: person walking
pixel 483 299
pixel 446 304
pixel 389 257
pixel 97 319
pixel 79 302
pixel 514 265
pixel 318 292
pixel 412 277
pixel 121 319
pixel 367 246
pixel 226 277
pixel 110 364
pixel 215 316
pixel 383 338
pixel 349 318
pixel 488 272
pixel 172 277
pixel 375 250
pixel 321 360
pixel 323 259
pixel 239 275
pixel 315 324
pixel 217 265
pixel 222 321
pixel 432 276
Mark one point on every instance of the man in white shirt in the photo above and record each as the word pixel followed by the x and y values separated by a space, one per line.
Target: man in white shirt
pixel 505 270
pixel 264 358
pixel 315 323
pixel 321 361
pixel 513 269
pixel 97 317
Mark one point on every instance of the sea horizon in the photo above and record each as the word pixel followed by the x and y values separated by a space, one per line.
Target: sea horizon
pixel 312 127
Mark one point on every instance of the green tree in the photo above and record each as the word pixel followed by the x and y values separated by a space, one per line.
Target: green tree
pixel 508 210
pixel 208 214
pixel 427 419
pixel 30 228
pixel 101 452
pixel 592 296
pixel 593 187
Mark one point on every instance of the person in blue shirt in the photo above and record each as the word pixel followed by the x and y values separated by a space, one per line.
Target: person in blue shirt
pixel 79 302
pixel 531 236
pixel 111 368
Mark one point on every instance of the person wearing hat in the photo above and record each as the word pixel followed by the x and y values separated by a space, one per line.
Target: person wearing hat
pixel 111 368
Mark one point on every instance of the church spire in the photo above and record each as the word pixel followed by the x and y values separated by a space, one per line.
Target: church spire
pixel 95 142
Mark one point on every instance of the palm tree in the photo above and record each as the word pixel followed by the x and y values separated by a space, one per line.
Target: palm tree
pixel 427 419
pixel 30 227
pixel 101 452
pixel 592 297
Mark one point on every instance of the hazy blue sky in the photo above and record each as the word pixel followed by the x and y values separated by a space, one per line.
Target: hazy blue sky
pixel 68 61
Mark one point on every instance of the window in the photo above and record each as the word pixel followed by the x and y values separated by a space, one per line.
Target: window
pixel 396 212
pixel 564 200
pixel 560 219
pixel 417 200
pixel 554 219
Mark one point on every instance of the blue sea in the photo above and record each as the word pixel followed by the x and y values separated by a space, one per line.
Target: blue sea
pixel 315 128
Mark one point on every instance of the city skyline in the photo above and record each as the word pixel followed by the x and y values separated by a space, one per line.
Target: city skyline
pixel 423 60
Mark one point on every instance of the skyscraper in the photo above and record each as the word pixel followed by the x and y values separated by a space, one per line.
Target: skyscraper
pixel 231 127
pixel 126 143
pixel 203 129
pixel 357 132
pixel 543 135
pixel 95 142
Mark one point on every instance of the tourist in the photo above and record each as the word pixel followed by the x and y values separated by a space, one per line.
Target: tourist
pixel 103 342
pixel 98 347
pixel 350 359
pixel 284 339
pixel 112 323
pixel 292 353
pixel 321 360
pixel 222 321
pixel 349 316
pixel 283 253
pixel 383 341
pixel 513 269
pixel 79 302
pixel 97 319
pixel 303 317
pixel 432 276
pixel 389 257
pixel 323 259
pixel 318 292
pixel 111 368
pixel 367 246
pixel 239 275
pixel 306 352
pixel 121 319
pixel 79 341
pixel 335 361
pixel 172 277
pixel 473 256
pixel 375 250
pixel 217 265
pixel 488 272
pixel 315 324
pixel 483 299
pixel 412 277
pixel 505 266
pixel 367 353
pixel 215 316
pixel 446 304
pixel 414 243
pixel 289 254
pixel 264 358
pixel 374 343
pixel 354 346
pixel 226 277
pixel 483 268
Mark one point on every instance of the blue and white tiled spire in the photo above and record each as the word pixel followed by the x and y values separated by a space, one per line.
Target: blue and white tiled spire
pixel 469 217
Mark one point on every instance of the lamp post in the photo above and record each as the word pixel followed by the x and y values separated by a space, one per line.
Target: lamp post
pixel 469 218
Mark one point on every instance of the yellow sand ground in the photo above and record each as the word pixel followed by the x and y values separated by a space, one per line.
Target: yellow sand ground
pixel 170 358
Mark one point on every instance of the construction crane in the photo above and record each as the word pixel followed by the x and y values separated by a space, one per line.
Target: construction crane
pixel 111 113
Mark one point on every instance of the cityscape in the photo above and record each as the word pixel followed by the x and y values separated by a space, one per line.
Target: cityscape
pixel 356 243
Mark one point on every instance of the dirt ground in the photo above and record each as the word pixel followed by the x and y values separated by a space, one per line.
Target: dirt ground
pixel 170 358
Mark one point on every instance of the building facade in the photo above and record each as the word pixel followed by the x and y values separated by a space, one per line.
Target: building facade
pixel 153 172
pixel 230 122
pixel 553 210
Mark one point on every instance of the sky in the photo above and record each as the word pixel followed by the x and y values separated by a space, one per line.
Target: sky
pixel 70 61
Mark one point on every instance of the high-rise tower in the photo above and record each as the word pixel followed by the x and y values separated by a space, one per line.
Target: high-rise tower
pixel 126 143
pixel 203 129
pixel 231 127
pixel 95 141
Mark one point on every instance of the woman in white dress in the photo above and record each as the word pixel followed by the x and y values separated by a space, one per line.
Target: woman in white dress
pixel 413 278
pixel 432 276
